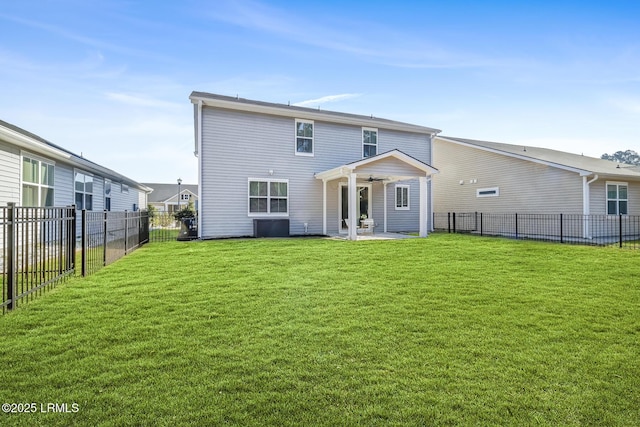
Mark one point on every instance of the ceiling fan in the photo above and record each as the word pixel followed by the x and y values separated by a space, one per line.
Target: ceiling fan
pixel 372 179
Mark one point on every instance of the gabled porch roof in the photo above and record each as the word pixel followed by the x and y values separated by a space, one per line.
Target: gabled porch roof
pixel 365 168
pixel 386 168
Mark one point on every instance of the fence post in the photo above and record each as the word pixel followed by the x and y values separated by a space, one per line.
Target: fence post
pixel 620 228
pixel 126 230
pixel 84 243
pixel 516 226
pixel 481 231
pixel 11 255
pixel 104 238
pixel 454 222
pixel 448 222
pixel 561 237
pixel 71 234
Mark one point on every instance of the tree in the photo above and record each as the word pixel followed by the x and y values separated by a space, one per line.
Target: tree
pixel 186 212
pixel 629 157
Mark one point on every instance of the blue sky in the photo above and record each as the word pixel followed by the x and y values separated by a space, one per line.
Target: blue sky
pixel 111 79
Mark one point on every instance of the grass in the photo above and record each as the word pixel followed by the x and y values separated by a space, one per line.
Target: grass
pixel 449 330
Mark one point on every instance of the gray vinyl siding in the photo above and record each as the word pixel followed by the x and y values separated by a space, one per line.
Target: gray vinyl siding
pixel 119 201
pixel 403 220
pixel 9 174
pixel 525 187
pixel 237 146
pixel 63 192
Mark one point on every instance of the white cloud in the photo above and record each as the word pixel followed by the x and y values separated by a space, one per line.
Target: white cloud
pixel 627 104
pixel 326 99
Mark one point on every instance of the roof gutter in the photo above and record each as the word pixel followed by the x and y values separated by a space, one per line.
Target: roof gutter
pixel 307 113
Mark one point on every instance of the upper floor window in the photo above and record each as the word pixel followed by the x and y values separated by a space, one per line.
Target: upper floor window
pixel 84 191
pixel 369 142
pixel 185 196
pixel 124 188
pixel 617 198
pixel 402 197
pixel 304 137
pixel 268 197
pixel 37 182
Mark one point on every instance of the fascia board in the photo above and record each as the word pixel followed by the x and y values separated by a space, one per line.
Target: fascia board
pixel 326 116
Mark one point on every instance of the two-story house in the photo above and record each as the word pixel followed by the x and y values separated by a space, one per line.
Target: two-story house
pixel 318 172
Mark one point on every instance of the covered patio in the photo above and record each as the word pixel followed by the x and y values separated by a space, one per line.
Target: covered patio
pixel 387 168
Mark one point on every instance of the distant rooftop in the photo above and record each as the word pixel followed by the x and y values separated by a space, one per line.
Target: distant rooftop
pixel 583 164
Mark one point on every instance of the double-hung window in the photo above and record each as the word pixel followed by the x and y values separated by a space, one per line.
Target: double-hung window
pixel 304 137
pixel 84 191
pixel 37 182
pixel 369 142
pixel 268 197
pixel 402 197
pixel 617 198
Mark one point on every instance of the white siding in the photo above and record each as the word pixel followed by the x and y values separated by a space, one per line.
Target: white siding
pixel 239 145
pixel 9 174
pixel 525 187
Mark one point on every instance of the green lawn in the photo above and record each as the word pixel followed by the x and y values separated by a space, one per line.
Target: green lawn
pixel 449 330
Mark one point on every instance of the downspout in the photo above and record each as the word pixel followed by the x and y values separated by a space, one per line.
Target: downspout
pixel 430 210
pixel 429 182
pixel 586 204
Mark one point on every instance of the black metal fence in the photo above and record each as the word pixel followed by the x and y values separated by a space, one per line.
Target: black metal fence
pixel 39 246
pixel 163 227
pixel 108 236
pixel 38 250
pixel 601 230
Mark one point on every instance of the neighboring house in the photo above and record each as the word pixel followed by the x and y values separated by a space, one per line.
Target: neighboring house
pixel 490 177
pixel 35 172
pixel 165 197
pixel 319 171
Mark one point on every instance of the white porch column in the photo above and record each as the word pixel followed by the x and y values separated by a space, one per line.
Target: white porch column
pixel 423 206
pixel 385 206
pixel 353 221
pixel 324 207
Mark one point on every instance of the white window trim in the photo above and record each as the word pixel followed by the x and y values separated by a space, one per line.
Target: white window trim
pixel 403 208
pixel 377 140
pixel 38 184
pixel 495 192
pixel 93 184
pixel 313 139
pixel 606 197
pixel 268 213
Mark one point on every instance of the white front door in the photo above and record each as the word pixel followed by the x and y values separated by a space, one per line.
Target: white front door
pixel 363 207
